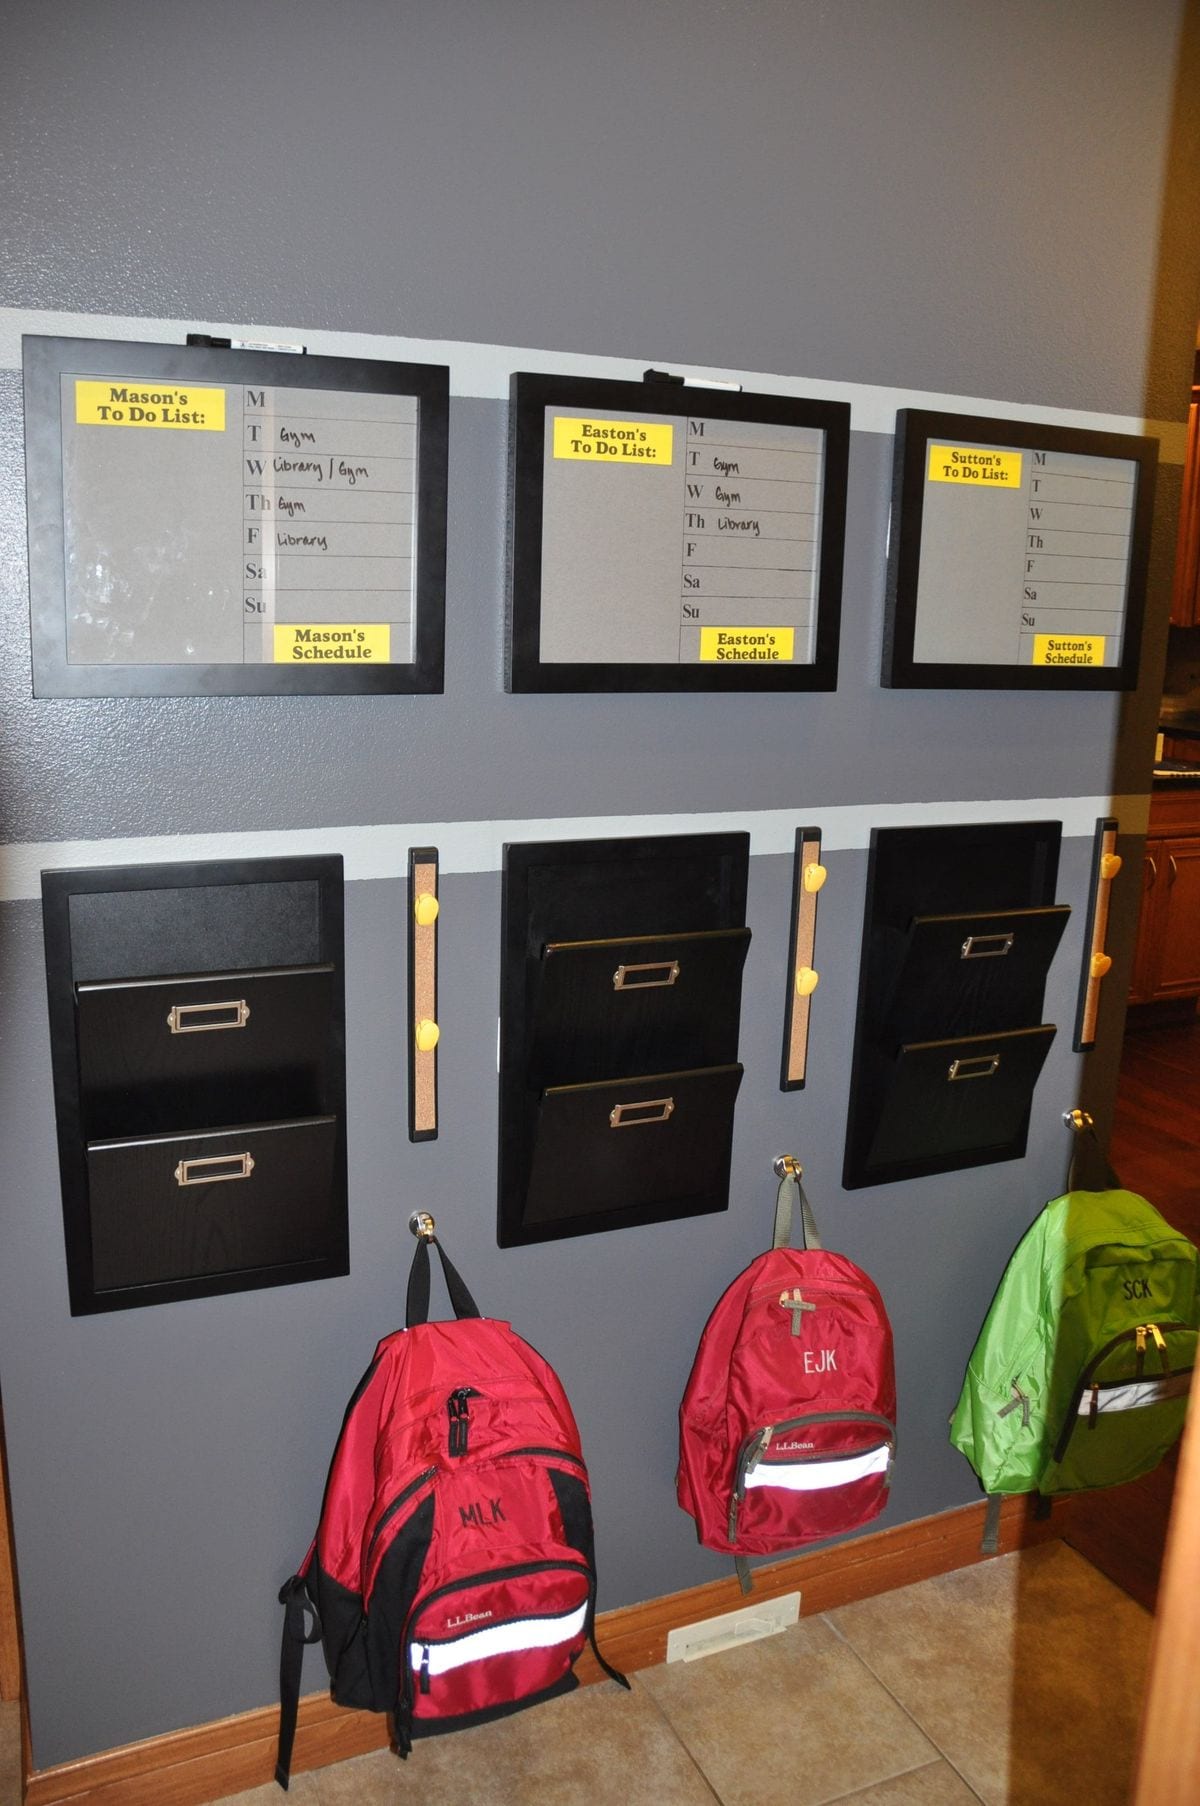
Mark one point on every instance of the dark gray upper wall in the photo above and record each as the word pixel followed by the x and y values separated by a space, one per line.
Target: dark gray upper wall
pixel 952 198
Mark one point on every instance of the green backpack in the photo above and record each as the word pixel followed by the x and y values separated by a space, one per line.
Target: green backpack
pixel 1080 1375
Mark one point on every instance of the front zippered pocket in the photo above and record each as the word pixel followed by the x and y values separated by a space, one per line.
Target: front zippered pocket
pixel 808 1488
pixel 1087 1385
pixel 396 1505
pixel 489 1640
pixel 1118 1425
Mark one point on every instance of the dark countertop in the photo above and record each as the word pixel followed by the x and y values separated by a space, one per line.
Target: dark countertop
pixel 1181 727
pixel 1184 726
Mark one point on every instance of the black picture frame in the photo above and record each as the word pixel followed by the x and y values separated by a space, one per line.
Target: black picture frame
pixel 48 359
pixel 531 395
pixel 916 430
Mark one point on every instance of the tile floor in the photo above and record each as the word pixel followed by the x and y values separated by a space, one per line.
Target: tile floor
pixel 1016 1683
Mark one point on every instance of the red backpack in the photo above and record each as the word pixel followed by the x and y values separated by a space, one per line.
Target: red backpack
pixel 453 1577
pixel 787 1430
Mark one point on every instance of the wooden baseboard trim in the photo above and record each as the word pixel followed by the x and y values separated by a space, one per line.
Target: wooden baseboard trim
pixel 189 1768
pixel 10 1618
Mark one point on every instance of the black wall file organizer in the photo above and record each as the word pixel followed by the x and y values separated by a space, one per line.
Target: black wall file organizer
pixel 620 1004
pixel 198 1040
pixel 960 930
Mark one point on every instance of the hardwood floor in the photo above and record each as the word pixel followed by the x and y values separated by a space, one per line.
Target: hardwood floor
pixel 1156 1129
pixel 1155 1150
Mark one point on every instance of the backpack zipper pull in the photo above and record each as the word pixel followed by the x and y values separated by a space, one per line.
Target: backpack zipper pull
pixel 1160 1342
pixel 424 1678
pixel 752 1460
pixel 1139 1346
pixel 1018 1402
pixel 459 1414
pixel 759 1450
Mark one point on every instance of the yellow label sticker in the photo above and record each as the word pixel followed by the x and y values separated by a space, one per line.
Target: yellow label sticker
pixel 746 645
pixel 1068 648
pixel 613 441
pixel 975 466
pixel 131 401
pixel 333 644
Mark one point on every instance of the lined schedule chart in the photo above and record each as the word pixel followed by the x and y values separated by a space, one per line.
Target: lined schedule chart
pixel 1017 555
pixel 221 519
pixel 329 506
pixel 751 539
pixel 1075 569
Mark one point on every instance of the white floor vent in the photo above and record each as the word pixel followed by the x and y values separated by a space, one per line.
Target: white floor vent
pixel 731 1629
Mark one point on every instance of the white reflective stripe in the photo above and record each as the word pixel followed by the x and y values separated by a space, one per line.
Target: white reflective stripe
pixel 499 1639
pixel 1134 1393
pixel 815 1476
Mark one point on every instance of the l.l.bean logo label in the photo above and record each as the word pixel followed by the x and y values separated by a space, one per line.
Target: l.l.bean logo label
pixel 323 643
pixel 127 402
pixel 975 466
pixel 613 441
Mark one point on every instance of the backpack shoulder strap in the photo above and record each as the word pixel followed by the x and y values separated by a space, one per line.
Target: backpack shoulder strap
pixel 298 1605
pixel 791 1193
pixel 417 1303
pixel 1089 1169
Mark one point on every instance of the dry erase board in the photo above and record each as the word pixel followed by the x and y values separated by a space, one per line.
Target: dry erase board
pixel 1018 555
pixel 666 538
pixel 204 520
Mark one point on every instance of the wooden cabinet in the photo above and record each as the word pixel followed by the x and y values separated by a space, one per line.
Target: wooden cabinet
pixel 1185 594
pixel 1167 959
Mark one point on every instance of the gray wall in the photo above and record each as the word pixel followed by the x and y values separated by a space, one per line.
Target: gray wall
pixel 971 203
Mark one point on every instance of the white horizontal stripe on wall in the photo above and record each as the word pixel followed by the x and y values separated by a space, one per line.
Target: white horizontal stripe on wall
pixel 381 851
pixel 484 370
